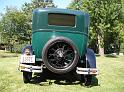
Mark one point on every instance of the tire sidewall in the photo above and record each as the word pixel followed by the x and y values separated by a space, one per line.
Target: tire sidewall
pixel 27 77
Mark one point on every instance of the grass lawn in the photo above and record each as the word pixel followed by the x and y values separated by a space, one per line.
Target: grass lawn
pixel 110 79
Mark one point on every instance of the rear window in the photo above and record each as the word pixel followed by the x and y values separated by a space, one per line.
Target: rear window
pixel 61 19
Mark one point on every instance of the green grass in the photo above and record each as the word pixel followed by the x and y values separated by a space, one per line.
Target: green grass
pixel 110 79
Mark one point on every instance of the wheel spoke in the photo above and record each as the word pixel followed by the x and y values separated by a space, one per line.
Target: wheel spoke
pixel 53 49
pixel 52 55
pixel 65 51
pixel 63 47
pixel 60 55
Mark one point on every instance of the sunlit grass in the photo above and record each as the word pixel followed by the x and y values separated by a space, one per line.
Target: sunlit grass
pixel 110 79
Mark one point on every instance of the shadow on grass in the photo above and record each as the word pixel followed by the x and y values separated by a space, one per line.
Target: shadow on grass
pixel 47 78
pixel 111 55
pixel 108 55
pixel 8 56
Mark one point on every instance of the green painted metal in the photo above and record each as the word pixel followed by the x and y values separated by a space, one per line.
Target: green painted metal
pixel 42 31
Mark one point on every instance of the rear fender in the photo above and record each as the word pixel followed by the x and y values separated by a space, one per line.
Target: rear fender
pixel 91 58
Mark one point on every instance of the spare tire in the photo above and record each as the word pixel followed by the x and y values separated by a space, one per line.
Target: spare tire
pixel 60 55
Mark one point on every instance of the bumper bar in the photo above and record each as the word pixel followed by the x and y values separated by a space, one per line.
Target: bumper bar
pixel 87 71
pixel 30 68
pixel 39 69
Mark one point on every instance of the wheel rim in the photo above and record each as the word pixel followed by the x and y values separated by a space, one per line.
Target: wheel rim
pixel 60 55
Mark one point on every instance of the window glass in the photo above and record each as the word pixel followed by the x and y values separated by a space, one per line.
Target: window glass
pixel 61 19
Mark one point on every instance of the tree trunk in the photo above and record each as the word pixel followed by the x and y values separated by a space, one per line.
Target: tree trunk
pixel 100 45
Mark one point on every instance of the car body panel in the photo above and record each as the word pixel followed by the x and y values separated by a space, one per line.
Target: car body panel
pixel 42 31
pixel 79 40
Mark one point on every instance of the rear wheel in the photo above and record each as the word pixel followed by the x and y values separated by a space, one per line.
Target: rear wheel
pixel 60 55
pixel 27 77
pixel 88 80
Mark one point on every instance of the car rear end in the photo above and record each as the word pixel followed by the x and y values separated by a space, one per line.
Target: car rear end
pixel 59 42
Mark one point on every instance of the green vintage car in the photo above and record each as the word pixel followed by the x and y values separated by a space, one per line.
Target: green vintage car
pixel 59 44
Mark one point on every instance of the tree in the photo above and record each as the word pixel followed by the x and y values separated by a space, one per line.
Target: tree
pixel 0 32
pixel 105 18
pixel 14 27
pixel 27 8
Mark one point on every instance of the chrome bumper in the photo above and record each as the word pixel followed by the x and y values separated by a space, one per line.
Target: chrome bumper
pixel 30 68
pixel 87 71
pixel 39 69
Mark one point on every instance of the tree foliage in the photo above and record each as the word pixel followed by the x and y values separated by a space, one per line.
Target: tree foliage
pixel 106 22
pixel 15 25
pixel 27 8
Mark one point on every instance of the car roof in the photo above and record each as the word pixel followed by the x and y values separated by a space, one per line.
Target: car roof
pixel 58 10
